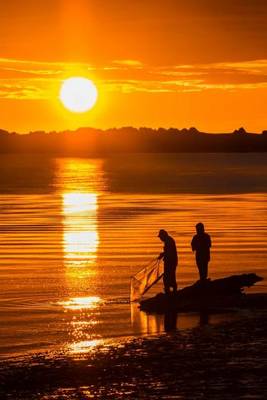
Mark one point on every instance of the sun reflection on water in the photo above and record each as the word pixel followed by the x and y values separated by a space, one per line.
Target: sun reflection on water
pixel 77 202
pixel 80 243
pixel 80 238
pixel 80 246
pixel 81 303
pixel 84 346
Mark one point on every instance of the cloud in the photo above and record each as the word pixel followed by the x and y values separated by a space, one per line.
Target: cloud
pixel 129 63
pixel 21 79
pixel 247 75
pixel 35 80
pixel 21 91
pixel 227 75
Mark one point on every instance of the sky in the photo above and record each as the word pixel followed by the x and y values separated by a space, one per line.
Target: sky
pixel 171 63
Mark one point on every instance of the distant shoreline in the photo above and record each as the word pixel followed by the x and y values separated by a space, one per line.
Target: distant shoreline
pixel 96 142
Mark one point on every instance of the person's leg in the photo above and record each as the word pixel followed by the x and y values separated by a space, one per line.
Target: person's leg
pixel 199 266
pixel 205 269
pixel 173 280
pixel 166 283
pixel 202 268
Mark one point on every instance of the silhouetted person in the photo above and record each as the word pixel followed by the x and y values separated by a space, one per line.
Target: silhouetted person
pixel 201 244
pixel 170 259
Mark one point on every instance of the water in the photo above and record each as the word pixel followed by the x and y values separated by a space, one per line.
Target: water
pixel 73 231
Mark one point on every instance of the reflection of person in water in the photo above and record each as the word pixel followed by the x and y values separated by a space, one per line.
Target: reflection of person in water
pixel 201 244
pixel 170 259
pixel 170 321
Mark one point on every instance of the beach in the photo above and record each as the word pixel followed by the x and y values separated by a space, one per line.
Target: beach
pixel 221 361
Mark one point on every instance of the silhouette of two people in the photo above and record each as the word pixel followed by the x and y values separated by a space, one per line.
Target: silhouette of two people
pixel 170 259
pixel 201 244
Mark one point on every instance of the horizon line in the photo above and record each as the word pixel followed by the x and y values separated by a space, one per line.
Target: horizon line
pixel 192 128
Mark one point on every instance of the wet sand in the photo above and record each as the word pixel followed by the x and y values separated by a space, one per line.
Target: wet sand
pixel 225 361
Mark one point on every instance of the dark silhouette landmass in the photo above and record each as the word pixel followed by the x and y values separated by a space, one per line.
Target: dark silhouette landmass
pixel 91 141
pixel 209 295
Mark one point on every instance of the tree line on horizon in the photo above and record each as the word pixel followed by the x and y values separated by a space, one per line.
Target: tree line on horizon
pixel 92 141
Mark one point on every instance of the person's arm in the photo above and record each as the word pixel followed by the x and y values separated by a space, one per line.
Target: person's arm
pixel 193 244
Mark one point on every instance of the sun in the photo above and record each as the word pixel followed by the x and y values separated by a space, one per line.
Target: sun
pixel 78 94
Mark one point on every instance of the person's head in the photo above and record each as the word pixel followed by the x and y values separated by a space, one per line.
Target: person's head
pixel 163 235
pixel 200 228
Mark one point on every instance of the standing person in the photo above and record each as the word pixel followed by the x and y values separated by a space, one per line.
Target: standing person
pixel 170 259
pixel 201 244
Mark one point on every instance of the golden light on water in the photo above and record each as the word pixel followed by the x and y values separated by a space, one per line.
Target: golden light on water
pixel 84 346
pixel 147 323
pixel 81 303
pixel 80 243
pixel 79 207
pixel 76 202
pixel 80 238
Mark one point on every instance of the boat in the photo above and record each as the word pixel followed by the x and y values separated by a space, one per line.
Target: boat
pixel 209 295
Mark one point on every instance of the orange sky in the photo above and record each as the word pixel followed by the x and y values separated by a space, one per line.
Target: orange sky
pixel 168 63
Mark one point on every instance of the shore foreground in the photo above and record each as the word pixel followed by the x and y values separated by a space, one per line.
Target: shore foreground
pixel 210 362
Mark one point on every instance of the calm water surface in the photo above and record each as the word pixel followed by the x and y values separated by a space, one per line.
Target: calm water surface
pixel 73 231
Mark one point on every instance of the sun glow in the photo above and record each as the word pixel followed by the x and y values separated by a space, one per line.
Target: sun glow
pixel 78 94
